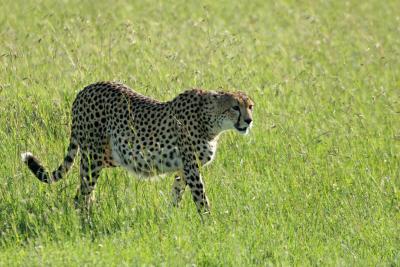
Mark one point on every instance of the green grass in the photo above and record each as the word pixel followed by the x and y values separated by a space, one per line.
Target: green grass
pixel 317 182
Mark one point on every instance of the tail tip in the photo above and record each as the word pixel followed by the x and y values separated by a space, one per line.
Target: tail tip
pixel 26 156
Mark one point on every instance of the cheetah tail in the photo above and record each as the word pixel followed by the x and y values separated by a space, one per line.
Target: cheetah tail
pixel 42 174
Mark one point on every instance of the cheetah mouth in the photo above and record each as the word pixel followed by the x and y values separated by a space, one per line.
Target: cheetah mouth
pixel 242 130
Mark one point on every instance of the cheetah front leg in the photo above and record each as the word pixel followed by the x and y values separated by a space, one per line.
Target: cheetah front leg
pixel 196 185
pixel 191 173
pixel 178 188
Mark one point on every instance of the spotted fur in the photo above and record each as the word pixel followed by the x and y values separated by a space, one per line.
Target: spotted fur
pixel 115 126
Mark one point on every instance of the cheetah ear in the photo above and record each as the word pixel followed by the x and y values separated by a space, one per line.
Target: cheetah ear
pixel 251 101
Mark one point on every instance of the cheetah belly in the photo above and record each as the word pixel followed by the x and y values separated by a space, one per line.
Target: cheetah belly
pixel 147 164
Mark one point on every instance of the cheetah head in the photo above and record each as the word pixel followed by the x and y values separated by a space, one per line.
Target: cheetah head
pixel 235 112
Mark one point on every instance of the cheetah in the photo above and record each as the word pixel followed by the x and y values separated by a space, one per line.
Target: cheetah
pixel 114 126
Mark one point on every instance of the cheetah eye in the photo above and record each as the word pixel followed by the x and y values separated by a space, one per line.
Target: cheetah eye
pixel 251 107
pixel 236 108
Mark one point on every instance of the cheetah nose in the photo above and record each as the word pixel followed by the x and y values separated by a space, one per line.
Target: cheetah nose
pixel 248 121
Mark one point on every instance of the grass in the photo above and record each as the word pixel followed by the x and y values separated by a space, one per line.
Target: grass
pixel 316 183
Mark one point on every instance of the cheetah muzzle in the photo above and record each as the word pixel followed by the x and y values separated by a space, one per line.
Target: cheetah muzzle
pixel 114 126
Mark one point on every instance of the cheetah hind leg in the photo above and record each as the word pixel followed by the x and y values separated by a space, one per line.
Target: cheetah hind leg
pixel 178 188
pixel 89 174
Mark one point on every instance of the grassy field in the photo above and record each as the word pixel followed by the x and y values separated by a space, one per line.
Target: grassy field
pixel 317 182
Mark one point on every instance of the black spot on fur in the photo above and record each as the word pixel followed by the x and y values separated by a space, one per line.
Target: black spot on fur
pixel 68 159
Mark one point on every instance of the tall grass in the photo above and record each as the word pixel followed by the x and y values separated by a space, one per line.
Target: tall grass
pixel 315 183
